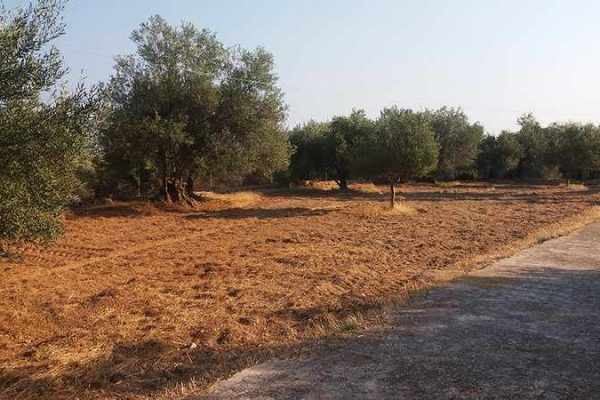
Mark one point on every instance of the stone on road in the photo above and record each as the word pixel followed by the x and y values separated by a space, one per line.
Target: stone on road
pixel 527 327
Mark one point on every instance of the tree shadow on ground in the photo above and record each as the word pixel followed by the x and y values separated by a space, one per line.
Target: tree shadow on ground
pixel 259 213
pixel 124 210
pixel 146 368
pixel 315 194
pixel 133 370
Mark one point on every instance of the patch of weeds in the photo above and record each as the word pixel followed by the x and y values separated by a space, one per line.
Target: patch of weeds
pixel 350 325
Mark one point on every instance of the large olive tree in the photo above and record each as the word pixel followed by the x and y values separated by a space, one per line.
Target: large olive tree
pixel 185 106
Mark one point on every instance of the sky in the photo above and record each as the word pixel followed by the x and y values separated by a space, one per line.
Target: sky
pixel 495 59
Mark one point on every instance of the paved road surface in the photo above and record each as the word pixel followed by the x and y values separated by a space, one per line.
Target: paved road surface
pixel 527 327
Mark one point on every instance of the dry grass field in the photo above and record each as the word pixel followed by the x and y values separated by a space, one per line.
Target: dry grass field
pixel 140 302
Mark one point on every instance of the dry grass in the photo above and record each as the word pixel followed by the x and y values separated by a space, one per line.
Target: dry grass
pixel 320 185
pixel 234 199
pixel 448 184
pixel 367 188
pixel 379 209
pixel 139 301
pixel 561 228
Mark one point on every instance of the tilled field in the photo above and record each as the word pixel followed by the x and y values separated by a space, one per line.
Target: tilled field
pixel 137 301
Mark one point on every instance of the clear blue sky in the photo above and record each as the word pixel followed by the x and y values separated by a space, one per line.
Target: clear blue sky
pixel 495 59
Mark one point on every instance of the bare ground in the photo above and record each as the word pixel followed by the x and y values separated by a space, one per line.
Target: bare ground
pixel 525 328
pixel 140 302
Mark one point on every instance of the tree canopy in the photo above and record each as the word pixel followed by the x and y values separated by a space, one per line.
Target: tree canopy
pixel 498 156
pixel 570 150
pixel 344 141
pixel 458 141
pixel 42 126
pixel 309 156
pixel 575 149
pixel 331 149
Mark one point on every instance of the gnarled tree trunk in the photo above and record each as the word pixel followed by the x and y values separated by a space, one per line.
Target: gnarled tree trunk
pixel 177 192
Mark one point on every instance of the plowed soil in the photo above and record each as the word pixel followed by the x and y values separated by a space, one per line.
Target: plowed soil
pixel 139 301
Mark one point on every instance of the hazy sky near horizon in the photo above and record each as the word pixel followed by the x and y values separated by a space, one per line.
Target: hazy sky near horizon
pixel 495 59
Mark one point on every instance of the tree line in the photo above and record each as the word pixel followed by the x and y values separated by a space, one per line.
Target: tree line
pixel 442 144
pixel 185 108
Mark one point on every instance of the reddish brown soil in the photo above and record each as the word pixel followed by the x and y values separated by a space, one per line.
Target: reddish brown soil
pixel 138 302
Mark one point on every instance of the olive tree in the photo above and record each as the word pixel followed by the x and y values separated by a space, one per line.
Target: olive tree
pixel 533 141
pixel 309 155
pixel 43 127
pixel 458 140
pixel 499 156
pixel 184 106
pixel 404 147
pixel 576 149
pixel 342 145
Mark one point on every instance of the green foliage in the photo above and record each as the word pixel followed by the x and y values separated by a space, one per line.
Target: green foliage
pixel 534 146
pixel 575 149
pixel 30 64
pixel 499 156
pixel 42 143
pixel 537 152
pixel 343 143
pixel 249 118
pixel 324 150
pixel 309 157
pixel 458 141
pixel 186 107
pixel 404 145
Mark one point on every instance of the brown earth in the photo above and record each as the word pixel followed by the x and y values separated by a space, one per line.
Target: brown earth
pixel 139 302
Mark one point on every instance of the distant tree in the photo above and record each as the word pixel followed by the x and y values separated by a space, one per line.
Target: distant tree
pixel 404 147
pixel 539 152
pixel 576 149
pixel 185 106
pixel 43 128
pixel 458 141
pixel 309 155
pixel 498 156
pixel 342 141
pixel 533 142
pixel 487 156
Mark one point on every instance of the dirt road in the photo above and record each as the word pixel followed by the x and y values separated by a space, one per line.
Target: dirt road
pixel 527 327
